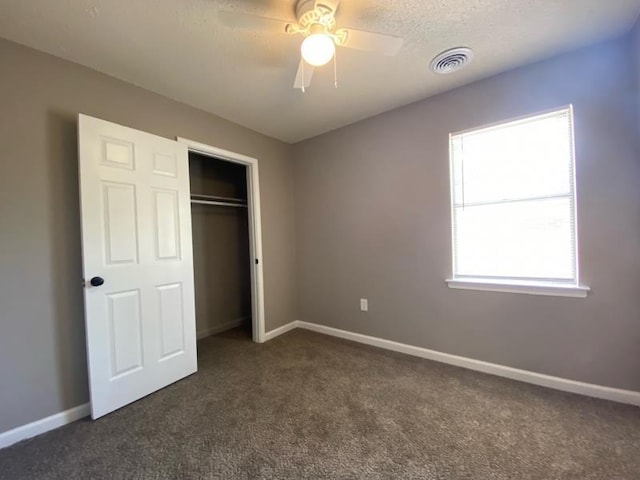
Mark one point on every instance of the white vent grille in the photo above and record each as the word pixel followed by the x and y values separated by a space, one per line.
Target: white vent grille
pixel 451 60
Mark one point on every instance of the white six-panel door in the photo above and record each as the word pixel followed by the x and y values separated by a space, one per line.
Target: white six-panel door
pixel 136 238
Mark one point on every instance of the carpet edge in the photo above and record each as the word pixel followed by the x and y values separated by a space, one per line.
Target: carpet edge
pixel 43 425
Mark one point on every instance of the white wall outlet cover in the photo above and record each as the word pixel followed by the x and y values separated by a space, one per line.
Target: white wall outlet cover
pixel 364 304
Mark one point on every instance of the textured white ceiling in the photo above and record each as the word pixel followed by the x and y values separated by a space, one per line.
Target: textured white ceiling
pixel 178 49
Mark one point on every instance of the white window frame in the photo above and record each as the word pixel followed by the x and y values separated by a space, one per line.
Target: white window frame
pixel 531 287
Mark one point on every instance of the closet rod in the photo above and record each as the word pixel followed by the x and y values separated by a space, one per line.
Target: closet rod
pixel 200 196
pixel 223 204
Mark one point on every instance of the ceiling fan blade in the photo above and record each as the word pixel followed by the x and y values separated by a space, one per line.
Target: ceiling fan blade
pixel 370 41
pixel 305 72
pixel 253 22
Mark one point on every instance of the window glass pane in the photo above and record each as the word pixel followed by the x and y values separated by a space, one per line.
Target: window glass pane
pixel 522 160
pixel 529 239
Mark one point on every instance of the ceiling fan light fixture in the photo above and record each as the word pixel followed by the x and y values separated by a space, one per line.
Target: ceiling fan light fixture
pixel 318 49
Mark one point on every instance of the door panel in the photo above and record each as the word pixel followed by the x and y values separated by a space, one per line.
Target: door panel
pixel 117 153
pixel 165 165
pixel 120 226
pixel 136 235
pixel 125 332
pixel 172 332
pixel 167 225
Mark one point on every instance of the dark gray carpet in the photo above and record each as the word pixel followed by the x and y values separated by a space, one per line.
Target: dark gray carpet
pixel 310 406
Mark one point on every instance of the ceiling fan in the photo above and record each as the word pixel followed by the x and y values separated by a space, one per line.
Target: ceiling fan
pixel 317 23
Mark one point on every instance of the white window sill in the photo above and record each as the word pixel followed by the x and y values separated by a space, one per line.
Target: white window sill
pixel 513 286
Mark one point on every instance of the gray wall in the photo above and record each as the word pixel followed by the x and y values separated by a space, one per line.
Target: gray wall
pixel 636 56
pixel 221 267
pixel 373 221
pixel 42 353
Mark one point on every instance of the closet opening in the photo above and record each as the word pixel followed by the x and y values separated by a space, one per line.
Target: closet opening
pixel 225 214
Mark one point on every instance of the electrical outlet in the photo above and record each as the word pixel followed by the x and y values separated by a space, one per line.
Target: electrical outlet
pixel 364 305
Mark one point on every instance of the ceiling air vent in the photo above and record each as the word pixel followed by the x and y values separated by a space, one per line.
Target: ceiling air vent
pixel 451 60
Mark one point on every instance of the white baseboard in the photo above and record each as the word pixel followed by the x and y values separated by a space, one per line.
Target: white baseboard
pixel 588 389
pixel 43 425
pixel 280 330
pixel 221 328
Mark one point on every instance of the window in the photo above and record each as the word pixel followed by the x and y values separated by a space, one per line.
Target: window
pixel 514 207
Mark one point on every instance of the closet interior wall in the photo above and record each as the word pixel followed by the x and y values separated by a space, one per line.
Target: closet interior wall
pixel 220 245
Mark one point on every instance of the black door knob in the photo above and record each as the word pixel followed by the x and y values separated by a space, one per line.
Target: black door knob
pixel 96 281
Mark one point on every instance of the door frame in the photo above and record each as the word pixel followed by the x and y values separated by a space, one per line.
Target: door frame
pixel 255 226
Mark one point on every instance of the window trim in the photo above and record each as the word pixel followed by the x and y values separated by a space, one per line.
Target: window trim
pixel 515 285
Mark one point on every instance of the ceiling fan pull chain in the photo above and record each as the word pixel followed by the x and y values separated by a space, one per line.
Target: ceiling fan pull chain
pixel 335 70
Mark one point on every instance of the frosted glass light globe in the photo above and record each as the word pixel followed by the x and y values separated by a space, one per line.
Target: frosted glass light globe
pixel 318 49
